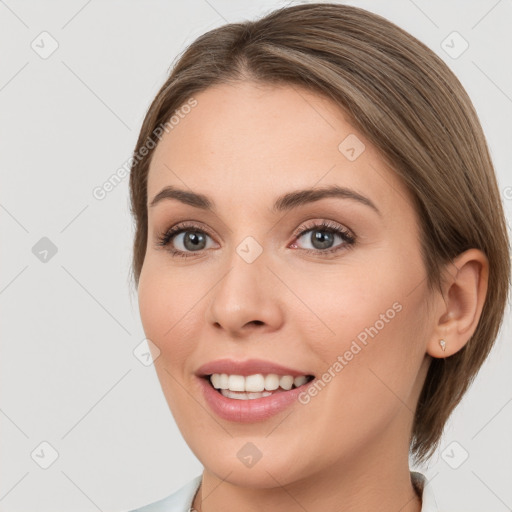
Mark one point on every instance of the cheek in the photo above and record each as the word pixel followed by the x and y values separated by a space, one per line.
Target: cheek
pixel 343 301
pixel 168 308
pixel 365 313
pixel 169 319
pixel 153 301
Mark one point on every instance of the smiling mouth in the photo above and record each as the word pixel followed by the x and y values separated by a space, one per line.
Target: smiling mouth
pixel 276 383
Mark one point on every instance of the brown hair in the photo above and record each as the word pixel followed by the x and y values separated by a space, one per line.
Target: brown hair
pixel 408 103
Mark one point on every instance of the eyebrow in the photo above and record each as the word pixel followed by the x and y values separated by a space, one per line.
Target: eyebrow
pixel 285 202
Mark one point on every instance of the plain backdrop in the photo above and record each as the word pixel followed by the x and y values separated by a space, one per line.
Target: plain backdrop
pixel 76 78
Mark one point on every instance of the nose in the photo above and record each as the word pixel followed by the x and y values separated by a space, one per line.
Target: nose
pixel 245 299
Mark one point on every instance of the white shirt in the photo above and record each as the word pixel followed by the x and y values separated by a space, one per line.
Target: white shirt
pixel 182 499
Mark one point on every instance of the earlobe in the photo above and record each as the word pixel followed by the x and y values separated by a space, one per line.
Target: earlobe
pixel 461 304
pixel 442 348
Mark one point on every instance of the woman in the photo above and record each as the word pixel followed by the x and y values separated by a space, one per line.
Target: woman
pixel 321 258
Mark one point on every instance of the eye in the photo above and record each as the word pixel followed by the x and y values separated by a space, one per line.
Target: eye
pixel 188 237
pixel 191 239
pixel 322 236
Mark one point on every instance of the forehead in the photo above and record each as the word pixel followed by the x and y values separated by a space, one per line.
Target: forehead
pixel 254 139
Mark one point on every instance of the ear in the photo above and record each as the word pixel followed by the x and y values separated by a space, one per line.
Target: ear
pixel 460 305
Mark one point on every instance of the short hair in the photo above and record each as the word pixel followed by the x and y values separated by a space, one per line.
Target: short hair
pixel 401 96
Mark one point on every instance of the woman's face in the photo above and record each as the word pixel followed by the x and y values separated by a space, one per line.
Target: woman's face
pixel 347 308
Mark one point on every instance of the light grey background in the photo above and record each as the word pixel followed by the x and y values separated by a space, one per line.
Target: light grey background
pixel 70 325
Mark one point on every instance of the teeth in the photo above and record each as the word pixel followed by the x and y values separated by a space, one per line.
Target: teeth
pixel 237 383
pixel 298 381
pixel 286 382
pixel 256 383
pixel 244 396
pixel 271 382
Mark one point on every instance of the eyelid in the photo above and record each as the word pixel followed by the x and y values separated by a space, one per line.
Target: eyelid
pixel 325 224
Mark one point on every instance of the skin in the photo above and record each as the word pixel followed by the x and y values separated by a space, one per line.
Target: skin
pixel 347 449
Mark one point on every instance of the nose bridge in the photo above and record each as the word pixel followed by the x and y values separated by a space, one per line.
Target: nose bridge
pixel 244 295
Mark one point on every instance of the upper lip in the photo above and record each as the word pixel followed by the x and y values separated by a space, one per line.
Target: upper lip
pixel 247 367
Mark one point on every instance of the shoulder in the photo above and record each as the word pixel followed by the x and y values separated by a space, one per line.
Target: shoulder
pixel 179 501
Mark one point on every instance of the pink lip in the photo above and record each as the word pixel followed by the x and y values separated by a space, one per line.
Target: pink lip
pixel 246 411
pixel 248 367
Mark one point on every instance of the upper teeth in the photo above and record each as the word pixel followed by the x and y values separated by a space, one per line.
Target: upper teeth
pixel 255 383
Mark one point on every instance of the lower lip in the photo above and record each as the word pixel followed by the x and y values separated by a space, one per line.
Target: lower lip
pixel 246 411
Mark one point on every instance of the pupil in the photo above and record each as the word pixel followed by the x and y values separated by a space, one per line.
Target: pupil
pixel 192 239
pixel 321 241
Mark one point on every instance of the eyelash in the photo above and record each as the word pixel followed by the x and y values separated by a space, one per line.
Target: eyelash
pixel 327 226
